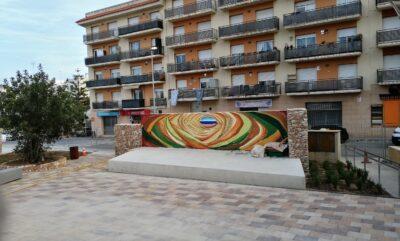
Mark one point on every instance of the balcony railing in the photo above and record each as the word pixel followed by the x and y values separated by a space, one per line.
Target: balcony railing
pixel 254 27
pixel 137 79
pixel 250 58
pixel 159 102
pixel 353 45
pixel 265 88
pixel 209 64
pixel 350 84
pixel 209 34
pixel 193 94
pixel 103 83
pixel 388 36
pixel 387 76
pixel 141 53
pixel 100 36
pixel 137 103
pixel 189 9
pixel 226 3
pixel 322 15
pixel 153 24
pixel 103 59
pixel 106 105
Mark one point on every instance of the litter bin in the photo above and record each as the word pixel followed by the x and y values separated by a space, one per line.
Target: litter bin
pixel 74 152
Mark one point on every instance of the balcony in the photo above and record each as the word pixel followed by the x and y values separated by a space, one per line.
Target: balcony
pixel 190 39
pixel 388 38
pixel 268 25
pixel 352 47
pixel 103 83
pixel 323 87
pixel 232 4
pixel 133 104
pixel 250 60
pixel 143 79
pixel 100 37
pixel 263 89
pixel 103 60
pixel 386 4
pixel 197 94
pixel 152 26
pixel 209 65
pixel 106 105
pixel 389 76
pixel 344 12
pixel 197 9
pixel 141 54
pixel 160 102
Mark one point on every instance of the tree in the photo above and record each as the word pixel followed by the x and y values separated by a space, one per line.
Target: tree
pixel 37 112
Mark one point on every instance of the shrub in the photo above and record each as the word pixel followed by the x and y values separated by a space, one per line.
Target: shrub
pixel 341 169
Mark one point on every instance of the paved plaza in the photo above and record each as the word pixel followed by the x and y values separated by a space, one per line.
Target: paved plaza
pixel 84 202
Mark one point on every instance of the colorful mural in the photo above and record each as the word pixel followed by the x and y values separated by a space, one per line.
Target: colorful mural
pixel 222 130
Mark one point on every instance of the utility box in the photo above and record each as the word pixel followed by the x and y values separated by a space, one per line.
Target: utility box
pixel 324 145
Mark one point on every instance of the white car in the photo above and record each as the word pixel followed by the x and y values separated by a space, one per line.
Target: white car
pixel 396 136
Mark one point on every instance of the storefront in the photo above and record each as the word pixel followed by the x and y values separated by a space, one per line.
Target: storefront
pixel 110 119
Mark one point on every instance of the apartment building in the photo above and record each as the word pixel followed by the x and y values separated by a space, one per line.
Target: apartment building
pixel 340 59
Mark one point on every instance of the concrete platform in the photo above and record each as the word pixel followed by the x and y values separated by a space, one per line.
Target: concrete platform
pixel 211 165
pixel 9 175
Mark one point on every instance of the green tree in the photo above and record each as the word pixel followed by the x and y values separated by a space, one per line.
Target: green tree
pixel 37 112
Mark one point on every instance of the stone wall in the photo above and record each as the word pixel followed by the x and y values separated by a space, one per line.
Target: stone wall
pixel 127 137
pixel 298 135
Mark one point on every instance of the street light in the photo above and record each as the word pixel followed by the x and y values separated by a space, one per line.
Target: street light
pixel 152 77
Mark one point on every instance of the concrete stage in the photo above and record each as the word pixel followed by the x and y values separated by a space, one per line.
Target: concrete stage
pixel 211 165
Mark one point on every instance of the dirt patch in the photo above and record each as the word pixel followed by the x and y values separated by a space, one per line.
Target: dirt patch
pixel 15 160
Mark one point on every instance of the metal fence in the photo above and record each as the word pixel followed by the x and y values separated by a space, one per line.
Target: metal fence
pixel 208 34
pixel 190 9
pixel 249 27
pixel 106 105
pixel 194 65
pixel 100 35
pixel 223 3
pixel 324 85
pixel 134 79
pixel 250 58
pixel 159 101
pixel 140 27
pixel 269 88
pixel 103 59
pixel 141 53
pixel 389 75
pixel 388 35
pixel 102 82
pixel 133 103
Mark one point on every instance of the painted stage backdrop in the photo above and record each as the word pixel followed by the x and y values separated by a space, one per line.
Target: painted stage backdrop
pixel 222 130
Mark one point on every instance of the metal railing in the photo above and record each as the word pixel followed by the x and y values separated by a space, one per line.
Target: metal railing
pixel 157 23
pixel 159 101
pixel 354 44
pixel 103 59
pixel 382 1
pixel 263 88
pixel 133 103
pixel 103 82
pixel 135 79
pixel 141 53
pixel 224 3
pixel 324 85
pixel 209 34
pixel 322 14
pixel 189 9
pixel 263 25
pixel 370 162
pixel 194 65
pixel 195 93
pixel 250 58
pixel 389 35
pixel 388 75
pixel 106 105
pixel 100 35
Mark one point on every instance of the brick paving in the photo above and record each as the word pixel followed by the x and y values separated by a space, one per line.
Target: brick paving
pixel 84 202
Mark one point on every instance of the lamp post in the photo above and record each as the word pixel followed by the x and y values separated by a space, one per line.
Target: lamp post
pixel 153 48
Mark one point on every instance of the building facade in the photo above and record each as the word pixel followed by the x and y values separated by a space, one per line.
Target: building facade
pixel 340 59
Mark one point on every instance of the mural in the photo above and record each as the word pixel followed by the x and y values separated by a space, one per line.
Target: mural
pixel 221 131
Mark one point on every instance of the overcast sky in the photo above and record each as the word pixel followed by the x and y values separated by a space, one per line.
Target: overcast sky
pixel 44 31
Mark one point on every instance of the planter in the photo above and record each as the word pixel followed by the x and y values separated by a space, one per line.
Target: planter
pixel 10 174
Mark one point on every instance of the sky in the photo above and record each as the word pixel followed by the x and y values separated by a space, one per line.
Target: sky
pixel 44 31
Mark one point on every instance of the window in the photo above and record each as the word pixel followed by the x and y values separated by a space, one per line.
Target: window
pixel 265 13
pixel 236 19
pixel 112 26
pixel 305 40
pixel 159 93
pixel 391 23
pixel 135 46
pixel 237 49
pixel 347 71
pixel 179 30
pixel 114 49
pixel 208 82
pixel 309 74
pixel 205 54
pixel 115 73
pixel 95 30
pixel 116 96
pixel 158 67
pixel 98 75
pixel 391 61
pixel 177 3
pixel 133 21
pixel 343 34
pixel 324 113
pixel 98 52
pixel 204 26
pixel 264 46
pixel 137 70
pixel 137 94
pixel 305 6
pixel 266 76
pixel 155 15
pixel 181 84
pixel 376 115
pixel 238 79
pixel 180 58
pixel 342 2
pixel 99 97
pixel 153 42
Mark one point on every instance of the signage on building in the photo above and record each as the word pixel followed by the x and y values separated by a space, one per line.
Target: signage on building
pixel 267 103
pixel 107 114
pixel 136 113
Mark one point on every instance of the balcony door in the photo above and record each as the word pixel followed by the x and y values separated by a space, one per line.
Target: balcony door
pixel 95 30
pixel 203 26
pixel 98 52
pixel 263 46
pixel 135 46
pixel 391 61
pixel 158 68
pixel 137 94
pixel 266 76
pixel 177 3
pixel 391 23
pixel 181 84
pixel 308 74
pixel 137 70
pixel 98 75
pixel 116 96
pixel 208 82
pixel 99 97
pixel 159 93
pixel 304 41
pixel 348 71
pixel 344 2
pixel 236 19
pixel 155 15
pixel 113 27
pixel 133 21
pixel 305 6
pixel 114 49
pixel 205 55
pixel 179 30
pixel 264 14
pixel 238 79
pixel 237 49
pixel 344 34
pixel 180 58
pixel 115 73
